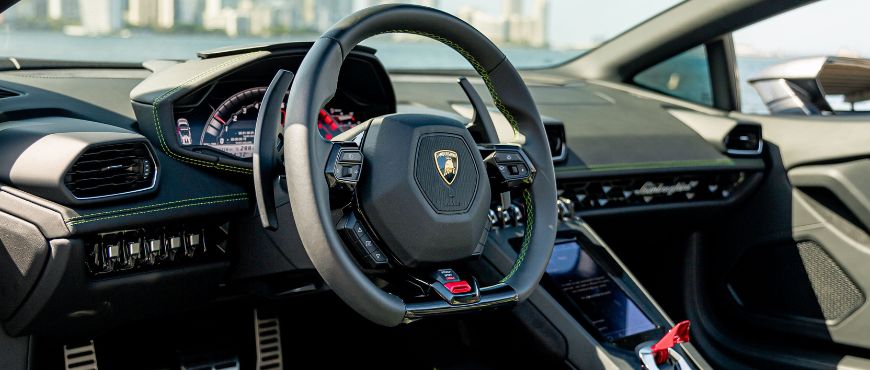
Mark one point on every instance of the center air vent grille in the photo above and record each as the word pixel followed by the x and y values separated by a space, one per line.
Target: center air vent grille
pixel 109 170
pixel 644 190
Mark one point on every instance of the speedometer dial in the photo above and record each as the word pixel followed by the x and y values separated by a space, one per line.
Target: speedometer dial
pixel 230 128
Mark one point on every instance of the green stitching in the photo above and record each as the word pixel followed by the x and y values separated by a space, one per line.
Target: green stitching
pixel 72 223
pixel 154 205
pixel 527 238
pixel 159 127
pixel 484 74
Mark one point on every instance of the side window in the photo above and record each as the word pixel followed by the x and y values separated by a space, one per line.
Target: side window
pixel 810 61
pixel 685 76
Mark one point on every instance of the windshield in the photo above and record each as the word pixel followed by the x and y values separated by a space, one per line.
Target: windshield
pixel 533 33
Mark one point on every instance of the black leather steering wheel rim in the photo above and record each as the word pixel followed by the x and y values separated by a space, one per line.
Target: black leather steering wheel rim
pixel 306 151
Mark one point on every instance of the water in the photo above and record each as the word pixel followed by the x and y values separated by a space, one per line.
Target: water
pixel 139 47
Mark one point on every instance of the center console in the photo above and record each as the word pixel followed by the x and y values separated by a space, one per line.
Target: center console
pixel 594 297
pixel 593 303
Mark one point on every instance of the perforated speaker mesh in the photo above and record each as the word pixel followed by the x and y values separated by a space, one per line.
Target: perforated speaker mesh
pixel 837 295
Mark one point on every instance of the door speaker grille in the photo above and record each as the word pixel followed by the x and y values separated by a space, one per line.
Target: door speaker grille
pixel 794 280
pixel 836 293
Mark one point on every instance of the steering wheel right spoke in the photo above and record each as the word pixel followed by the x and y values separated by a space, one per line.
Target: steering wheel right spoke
pixel 508 167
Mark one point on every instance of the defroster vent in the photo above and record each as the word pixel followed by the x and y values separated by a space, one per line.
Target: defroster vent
pixel 111 170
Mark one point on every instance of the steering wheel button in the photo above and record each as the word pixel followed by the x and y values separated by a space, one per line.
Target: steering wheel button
pixel 349 172
pixel 378 256
pixel 367 244
pixel 377 259
pixel 521 170
pixel 504 157
pixel 359 230
pixel 446 275
pixel 458 287
pixel 350 156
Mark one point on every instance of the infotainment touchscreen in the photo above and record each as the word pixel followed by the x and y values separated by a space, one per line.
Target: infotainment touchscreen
pixel 597 296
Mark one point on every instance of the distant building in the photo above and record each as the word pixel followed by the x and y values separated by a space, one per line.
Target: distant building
pixel 151 13
pixel 529 30
pixel 100 16
pixel 511 8
pixel 33 9
pixel 62 10
pixel 513 26
pixel 189 12
pixel 212 15
pixel 329 12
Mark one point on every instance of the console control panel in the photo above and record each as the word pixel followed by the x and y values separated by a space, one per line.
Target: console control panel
pixel 134 250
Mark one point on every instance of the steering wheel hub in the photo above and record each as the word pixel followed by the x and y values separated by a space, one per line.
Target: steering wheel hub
pixel 425 189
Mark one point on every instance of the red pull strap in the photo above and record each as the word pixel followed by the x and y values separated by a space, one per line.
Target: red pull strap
pixel 678 334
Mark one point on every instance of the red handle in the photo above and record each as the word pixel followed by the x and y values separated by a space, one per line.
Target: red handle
pixel 678 334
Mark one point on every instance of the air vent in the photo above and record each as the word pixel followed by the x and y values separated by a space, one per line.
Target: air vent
pixel 556 140
pixel 647 190
pixel 744 139
pixel 111 170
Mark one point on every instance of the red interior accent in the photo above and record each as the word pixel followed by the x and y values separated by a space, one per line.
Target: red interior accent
pixel 678 334
pixel 457 287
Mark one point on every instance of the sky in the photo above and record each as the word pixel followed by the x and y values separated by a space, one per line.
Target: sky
pixel 828 27
pixel 580 23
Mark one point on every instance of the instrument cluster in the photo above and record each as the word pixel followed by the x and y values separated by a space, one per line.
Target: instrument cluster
pixel 225 122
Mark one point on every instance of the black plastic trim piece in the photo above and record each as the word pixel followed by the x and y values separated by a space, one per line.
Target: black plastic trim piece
pixel 269 147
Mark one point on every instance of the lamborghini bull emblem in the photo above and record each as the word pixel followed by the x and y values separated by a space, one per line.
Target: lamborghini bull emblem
pixel 447 163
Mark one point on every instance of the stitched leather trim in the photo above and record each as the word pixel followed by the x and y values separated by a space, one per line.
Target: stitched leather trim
pixel 157 126
pixel 157 207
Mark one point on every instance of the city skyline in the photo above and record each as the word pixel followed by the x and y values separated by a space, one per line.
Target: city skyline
pixel 512 24
pixel 559 24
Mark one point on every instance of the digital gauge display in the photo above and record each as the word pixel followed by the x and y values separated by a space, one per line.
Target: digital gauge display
pixel 230 128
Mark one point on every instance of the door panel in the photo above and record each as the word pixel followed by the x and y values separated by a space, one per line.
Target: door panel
pixel 784 280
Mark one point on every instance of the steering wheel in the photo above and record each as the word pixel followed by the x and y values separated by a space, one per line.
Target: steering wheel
pixel 407 195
